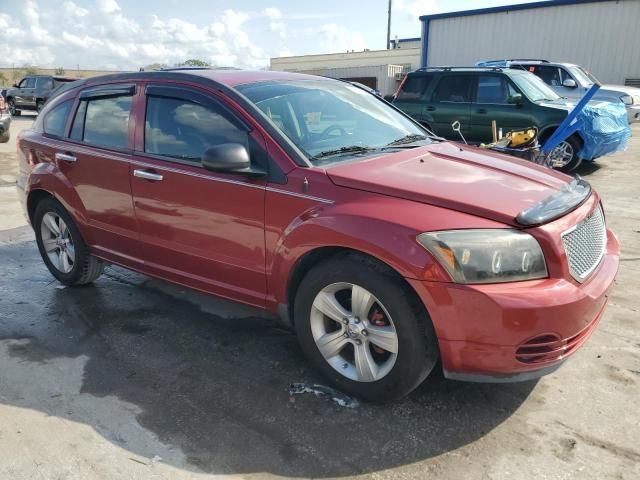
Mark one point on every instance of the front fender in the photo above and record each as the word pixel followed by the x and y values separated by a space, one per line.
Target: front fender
pixel 379 226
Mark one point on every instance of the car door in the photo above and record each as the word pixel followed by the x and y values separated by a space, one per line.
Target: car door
pixel 491 101
pixel 96 161
pixel 24 95
pixel 451 102
pixel 197 227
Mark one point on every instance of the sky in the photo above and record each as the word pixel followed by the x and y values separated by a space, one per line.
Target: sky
pixel 128 34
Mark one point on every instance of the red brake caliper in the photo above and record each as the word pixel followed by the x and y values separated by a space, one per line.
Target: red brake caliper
pixel 378 319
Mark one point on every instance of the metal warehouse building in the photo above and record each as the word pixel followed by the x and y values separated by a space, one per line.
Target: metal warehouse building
pixel 600 35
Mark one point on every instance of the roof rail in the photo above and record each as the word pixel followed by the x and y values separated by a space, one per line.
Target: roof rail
pixel 477 67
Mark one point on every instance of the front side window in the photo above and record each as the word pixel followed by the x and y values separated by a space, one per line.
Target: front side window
pixel 56 119
pixel 453 88
pixel 584 77
pixel 182 129
pixel 321 117
pixel 103 121
pixel 29 82
pixel 414 87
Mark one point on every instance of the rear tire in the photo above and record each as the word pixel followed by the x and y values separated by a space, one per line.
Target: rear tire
pixel 61 246
pixel 381 354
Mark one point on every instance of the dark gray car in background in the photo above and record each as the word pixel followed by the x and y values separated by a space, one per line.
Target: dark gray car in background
pixel 33 91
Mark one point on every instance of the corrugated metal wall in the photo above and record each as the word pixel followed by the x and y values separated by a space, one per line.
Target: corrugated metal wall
pixel 602 37
pixel 385 75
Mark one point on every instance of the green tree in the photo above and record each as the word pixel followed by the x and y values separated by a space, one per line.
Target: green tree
pixel 193 62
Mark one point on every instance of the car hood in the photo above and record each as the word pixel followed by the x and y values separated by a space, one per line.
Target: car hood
pixel 623 89
pixel 458 177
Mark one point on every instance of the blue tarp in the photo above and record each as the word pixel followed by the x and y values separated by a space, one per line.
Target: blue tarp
pixel 604 128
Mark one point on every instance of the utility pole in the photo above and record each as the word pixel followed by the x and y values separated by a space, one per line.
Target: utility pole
pixel 389 27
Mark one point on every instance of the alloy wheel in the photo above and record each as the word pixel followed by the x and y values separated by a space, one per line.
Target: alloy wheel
pixel 12 106
pixel 561 155
pixel 57 242
pixel 354 332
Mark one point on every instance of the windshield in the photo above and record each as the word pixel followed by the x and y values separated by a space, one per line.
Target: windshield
pixel 533 87
pixel 583 77
pixel 330 119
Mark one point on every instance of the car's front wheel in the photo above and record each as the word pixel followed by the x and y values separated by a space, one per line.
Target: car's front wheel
pixel 364 328
pixel 62 247
pixel 11 103
pixel 565 156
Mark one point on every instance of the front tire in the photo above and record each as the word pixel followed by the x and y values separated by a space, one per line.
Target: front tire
pixel 367 332
pixel 12 107
pixel 565 156
pixel 61 246
pixel 39 105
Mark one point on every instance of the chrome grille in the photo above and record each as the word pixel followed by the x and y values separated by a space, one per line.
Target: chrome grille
pixel 585 245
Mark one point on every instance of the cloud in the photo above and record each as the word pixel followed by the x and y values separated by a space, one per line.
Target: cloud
pixel 275 21
pixel 332 37
pixel 416 8
pixel 102 35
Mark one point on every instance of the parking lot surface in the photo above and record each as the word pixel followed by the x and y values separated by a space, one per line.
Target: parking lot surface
pixel 136 378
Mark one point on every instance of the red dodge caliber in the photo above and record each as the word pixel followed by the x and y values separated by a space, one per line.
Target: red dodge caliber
pixel 386 248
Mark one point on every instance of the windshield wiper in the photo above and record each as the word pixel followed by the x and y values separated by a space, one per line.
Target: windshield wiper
pixel 414 137
pixel 343 150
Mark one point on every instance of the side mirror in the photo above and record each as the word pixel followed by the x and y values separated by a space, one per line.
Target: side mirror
pixel 229 158
pixel 515 99
pixel 15 85
pixel 569 83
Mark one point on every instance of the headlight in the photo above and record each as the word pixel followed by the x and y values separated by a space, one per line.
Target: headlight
pixel 636 99
pixel 486 256
pixel 627 99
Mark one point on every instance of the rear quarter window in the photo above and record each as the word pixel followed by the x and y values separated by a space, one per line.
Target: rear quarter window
pixel 415 87
pixel 56 119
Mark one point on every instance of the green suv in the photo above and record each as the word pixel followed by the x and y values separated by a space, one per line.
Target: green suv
pixel 515 99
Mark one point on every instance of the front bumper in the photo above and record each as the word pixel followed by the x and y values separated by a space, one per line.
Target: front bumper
pixel 482 328
pixel 633 113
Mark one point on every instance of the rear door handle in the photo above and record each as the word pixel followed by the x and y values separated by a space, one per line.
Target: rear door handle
pixel 65 157
pixel 482 110
pixel 154 177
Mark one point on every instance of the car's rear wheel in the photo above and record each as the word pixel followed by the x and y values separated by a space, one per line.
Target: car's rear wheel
pixel 364 328
pixel 11 103
pixel 565 156
pixel 62 247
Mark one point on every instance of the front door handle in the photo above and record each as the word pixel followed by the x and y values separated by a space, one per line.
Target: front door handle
pixel 65 157
pixel 482 110
pixel 154 177
pixel 430 109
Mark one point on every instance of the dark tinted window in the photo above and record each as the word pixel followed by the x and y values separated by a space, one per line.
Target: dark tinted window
pixel 77 129
pixel 453 88
pixel 44 82
pixel 493 89
pixel 56 119
pixel 29 82
pixel 414 87
pixel 182 129
pixel 107 121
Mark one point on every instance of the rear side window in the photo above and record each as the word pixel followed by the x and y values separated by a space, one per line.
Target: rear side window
pixel 44 82
pixel 415 87
pixel 56 119
pixel 453 88
pixel 182 129
pixel 493 89
pixel 103 121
